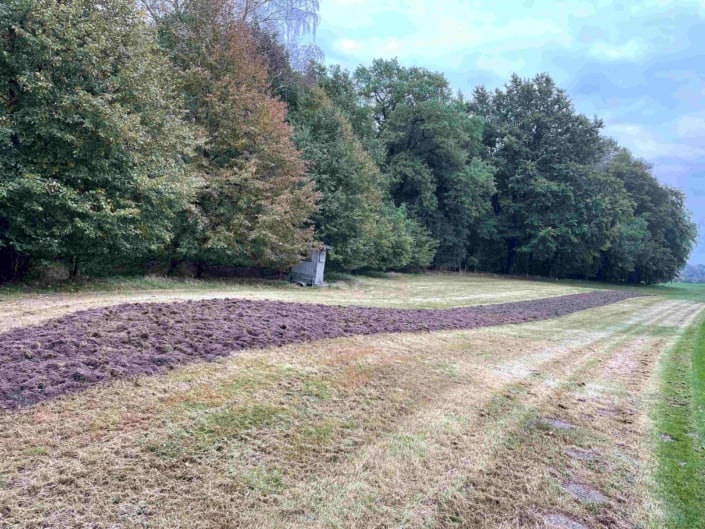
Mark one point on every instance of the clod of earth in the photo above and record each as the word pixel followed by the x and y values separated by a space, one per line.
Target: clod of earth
pixel 74 352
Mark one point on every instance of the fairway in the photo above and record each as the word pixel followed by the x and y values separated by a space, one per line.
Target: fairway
pixel 555 423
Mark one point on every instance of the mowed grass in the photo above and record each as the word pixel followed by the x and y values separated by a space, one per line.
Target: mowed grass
pixel 456 429
pixel 680 433
pixel 427 290
pixel 392 290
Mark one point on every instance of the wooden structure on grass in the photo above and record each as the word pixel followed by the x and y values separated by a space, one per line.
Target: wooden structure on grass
pixel 310 272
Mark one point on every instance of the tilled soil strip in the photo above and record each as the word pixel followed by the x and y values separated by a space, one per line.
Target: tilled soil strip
pixel 74 352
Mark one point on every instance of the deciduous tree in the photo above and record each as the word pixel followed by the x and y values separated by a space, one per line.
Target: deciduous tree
pixel 256 201
pixel 91 133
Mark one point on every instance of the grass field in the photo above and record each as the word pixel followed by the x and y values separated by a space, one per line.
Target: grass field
pixel 590 420
pixel 22 306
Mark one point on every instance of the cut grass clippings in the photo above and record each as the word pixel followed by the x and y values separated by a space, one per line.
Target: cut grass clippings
pixel 680 431
pixel 412 430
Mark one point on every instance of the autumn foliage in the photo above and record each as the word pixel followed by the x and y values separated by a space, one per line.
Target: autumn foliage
pixel 255 201
pixel 156 133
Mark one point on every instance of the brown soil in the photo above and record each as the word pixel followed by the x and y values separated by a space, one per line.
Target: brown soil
pixel 77 351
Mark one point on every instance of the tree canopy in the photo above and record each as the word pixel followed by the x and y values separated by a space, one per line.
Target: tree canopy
pixel 202 132
pixel 92 140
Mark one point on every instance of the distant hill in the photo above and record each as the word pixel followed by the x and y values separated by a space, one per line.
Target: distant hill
pixel 692 274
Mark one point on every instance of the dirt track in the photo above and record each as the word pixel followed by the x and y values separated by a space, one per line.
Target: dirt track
pixel 71 353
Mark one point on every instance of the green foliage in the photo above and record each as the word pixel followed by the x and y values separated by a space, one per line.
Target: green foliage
pixel 347 179
pixel 355 218
pixel 254 205
pixel 187 132
pixel 340 86
pixel 91 136
pixel 431 146
pixel 661 233
pixel 543 153
pixel 568 202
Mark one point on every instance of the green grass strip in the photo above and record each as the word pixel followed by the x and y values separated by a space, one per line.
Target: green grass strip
pixel 680 423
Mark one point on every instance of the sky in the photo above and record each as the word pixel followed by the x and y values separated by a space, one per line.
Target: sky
pixel 638 65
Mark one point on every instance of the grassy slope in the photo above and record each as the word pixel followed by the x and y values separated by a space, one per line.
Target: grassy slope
pixel 691 292
pixel 680 423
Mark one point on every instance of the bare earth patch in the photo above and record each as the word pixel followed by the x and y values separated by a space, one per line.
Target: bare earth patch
pixel 399 291
pixel 79 350
pixel 559 424
pixel 584 493
pixel 417 430
pixel 582 455
pixel 560 521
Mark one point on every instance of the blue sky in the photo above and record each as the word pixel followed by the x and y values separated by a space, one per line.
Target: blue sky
pixel 639 65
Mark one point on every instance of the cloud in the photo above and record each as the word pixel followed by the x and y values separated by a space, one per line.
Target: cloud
pixel 348 45
pixel 642 142
pixel 499 65
pixel 631 50
pixel 691 126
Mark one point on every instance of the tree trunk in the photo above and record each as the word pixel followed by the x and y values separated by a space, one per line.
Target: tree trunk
pixel 511 256
pixel 173 263
pixel 73 273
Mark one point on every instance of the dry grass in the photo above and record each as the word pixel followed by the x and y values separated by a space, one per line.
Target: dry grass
pixel 405 291
pixel 447 429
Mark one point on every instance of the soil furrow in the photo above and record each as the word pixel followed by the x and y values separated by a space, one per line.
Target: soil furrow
pixel 72 353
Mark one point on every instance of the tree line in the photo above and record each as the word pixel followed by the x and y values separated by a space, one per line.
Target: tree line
pixel 201 132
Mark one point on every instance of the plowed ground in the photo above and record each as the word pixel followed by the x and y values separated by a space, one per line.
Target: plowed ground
pixel 74 352
pixel 540 424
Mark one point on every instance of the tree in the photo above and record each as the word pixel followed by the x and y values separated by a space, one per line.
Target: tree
pixel 661 225
pixel 91 133
pixel 542 151
pixel 432 148
pixel 255 202
pixel 289 18
pixel 341 87
pixel 356 217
